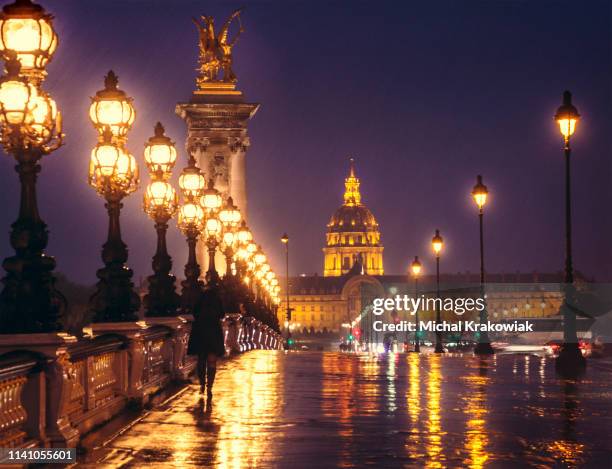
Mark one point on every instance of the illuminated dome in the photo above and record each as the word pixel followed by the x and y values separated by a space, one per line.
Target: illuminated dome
pixel 352 232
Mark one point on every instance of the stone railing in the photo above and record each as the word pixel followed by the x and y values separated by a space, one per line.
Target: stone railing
pixel 55 388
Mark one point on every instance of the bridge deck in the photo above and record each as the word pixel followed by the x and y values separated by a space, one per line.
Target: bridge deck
pixel 309 409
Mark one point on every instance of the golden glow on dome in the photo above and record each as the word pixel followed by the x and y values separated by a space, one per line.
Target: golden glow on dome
pixel 352 195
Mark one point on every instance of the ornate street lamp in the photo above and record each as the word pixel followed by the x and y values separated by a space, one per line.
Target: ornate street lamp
pixel 436 244
pixel 242 255
pixel 480 193
pixel 212 201
pixel 26 31
pixel 160 203
pixel 191 222
pixel 30 127
pixel 113 173
pixel 415 268
pixel 570 360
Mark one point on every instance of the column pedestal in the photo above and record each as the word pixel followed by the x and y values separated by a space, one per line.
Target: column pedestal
pixel 217 117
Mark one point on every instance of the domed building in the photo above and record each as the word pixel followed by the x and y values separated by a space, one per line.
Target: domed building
pixel 352 234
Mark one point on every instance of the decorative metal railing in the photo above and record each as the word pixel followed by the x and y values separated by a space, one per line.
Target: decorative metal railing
pixel 54 388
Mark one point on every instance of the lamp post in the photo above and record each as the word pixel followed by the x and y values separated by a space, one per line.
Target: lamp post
pixel 230 218
pixel 113 173
pixel 30 127
pixel 416 267
pixel 285 241
pixel 437 243
pixel 480 193
pixel 160 203
pixel 570 359
pixel 190 222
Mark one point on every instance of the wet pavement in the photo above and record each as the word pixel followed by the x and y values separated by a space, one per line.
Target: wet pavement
pixel 322 409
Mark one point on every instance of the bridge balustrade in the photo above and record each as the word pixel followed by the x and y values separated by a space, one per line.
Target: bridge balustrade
pixel 55 388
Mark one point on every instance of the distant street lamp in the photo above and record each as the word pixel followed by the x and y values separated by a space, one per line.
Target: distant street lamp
pixel 113 173
pixel 242 255
pixel 260 269
pixel 437 243
pixel 213 229
pixel 30 127
pixel 285 241
pixel 480 193
pixel 570 358
pixel 160 203
pixel 212 201
pixel 190 222
pixel 416 267
pixel 230 218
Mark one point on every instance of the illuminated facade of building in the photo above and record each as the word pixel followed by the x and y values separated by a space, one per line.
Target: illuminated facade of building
pixel 353 276
pixel 352 232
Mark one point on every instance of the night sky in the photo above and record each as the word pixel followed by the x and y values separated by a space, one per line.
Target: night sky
pixel 425 96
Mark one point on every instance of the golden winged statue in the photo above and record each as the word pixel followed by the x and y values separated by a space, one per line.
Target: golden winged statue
pixel 216 50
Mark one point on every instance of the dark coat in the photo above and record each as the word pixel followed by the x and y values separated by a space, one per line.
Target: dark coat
pixel 206 332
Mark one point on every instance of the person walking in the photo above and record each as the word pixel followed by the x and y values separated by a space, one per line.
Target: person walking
pixel 206 340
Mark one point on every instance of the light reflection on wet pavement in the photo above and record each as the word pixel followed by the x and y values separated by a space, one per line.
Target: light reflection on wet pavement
pixel 320 409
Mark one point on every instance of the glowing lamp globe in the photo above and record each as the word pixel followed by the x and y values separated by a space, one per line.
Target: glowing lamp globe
pixel 230 215
pixel 190 217
pixel 212 227
pixel 211 200
pixel 244 234
pixel 160 198
pixel 113 169
pixel 159 153
pixel 112 108
pixel 480 193
pixel 415 266
pixel 567 116
pixel 437 243
pixel 241 254
pixel 259 257
pixel 44 120
pixel 16 96
pixel 191 182
pixel 229 239
pixel 26 31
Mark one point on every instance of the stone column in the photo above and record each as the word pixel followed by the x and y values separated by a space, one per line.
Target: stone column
pixel 217 118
